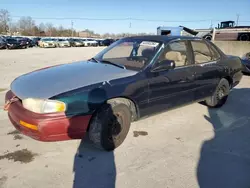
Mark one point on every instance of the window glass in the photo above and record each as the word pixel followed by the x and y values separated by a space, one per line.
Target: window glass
pixel 133 53
pixel 215 53
pixel 201 51
pixel 176 52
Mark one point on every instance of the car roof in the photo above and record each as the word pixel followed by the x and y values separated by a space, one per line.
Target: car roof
pixel 164 38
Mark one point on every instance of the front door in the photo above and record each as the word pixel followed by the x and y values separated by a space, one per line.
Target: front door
pixel 174 87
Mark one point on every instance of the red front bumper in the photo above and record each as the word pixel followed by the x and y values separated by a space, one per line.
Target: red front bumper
pixel 51 127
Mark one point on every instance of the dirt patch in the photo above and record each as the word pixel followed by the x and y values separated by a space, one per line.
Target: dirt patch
pixel 3 179
pixel 2 89
pixel 18 137
pixel 140 133
pixel 23 156
pixel 15 132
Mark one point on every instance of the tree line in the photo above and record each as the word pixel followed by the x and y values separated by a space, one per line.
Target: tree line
pixel 26 26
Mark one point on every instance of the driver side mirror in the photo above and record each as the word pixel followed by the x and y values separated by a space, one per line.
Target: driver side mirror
pixel 164 65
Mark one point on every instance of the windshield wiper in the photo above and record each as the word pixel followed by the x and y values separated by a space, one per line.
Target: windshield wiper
pixel 115 64
pixel 94 59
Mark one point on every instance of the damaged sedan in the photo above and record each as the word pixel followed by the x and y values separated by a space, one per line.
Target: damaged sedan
pixel 132 78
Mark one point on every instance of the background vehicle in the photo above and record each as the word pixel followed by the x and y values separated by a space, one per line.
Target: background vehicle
pixel 12 43
pixel 143 75
pixel 62 43
pixel 107 42
pixel 36 40
pixel 86 42
pixel 99 41
pixel 24 40
pixel 246 63
pixel 47 43
pixel 225 31
pixel 92 42
pixel 3 43
pixel 77 42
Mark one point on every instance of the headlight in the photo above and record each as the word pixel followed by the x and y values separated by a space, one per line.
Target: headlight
pixel 44 106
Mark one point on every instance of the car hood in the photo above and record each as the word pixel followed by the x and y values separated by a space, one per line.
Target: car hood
pixel 49 82
pixel 49 41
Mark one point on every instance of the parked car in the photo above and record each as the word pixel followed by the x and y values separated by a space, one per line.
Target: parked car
pixel 3 43
pixel 12 43
pixel 107 42
pixel 62 43
pixel 86 42
pixel 92 42
pixel 71 41
pixel 36 40
pixel 143 75
pixel 77 42
pixel 246 63
pixel 25 41
pixel 99 41
pixel 47 43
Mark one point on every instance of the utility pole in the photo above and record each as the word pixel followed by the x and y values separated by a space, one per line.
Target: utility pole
pixel 237 19
pixel 211 24
pixel 72 32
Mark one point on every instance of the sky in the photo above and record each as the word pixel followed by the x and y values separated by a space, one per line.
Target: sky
pixel 193 14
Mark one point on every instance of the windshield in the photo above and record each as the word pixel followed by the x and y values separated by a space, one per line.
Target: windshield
pixel 11 40
pixel 133 53
pixel 62 40
pixel 46 39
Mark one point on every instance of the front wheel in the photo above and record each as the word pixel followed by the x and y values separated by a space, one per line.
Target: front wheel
pixel 220 95
pixel 110 125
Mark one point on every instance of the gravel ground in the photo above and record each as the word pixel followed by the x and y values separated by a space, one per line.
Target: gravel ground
pixel 189 147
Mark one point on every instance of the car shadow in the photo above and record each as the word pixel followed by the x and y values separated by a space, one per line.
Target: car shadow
pixel 225 159
pixel 93 167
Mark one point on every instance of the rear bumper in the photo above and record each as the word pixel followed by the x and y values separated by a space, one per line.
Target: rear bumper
pixel 50 127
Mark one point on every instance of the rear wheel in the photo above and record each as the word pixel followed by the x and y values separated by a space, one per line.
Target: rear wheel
pixel 220 95
pixel 244 37
pixel 110 125
pixel 208 37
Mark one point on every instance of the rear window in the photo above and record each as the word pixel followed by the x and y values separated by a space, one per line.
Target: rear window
pixel 201 51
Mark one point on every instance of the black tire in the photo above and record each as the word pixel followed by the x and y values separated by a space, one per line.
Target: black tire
pixel 208 37
pixel 244 37
pixel 110 126
pixel 220 95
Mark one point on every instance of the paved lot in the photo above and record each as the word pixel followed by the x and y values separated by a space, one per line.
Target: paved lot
pixel 189 147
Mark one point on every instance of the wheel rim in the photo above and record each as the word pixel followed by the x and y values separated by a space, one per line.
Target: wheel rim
pixel 115 124
pixel 221 93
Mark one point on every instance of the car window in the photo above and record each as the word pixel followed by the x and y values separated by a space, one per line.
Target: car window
pixel 215 53
pixel 202 54
pixel 177 52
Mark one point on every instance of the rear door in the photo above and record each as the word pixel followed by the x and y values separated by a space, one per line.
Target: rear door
pixel 207 68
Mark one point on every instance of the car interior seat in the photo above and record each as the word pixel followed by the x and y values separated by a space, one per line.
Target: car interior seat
pixel 176 57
